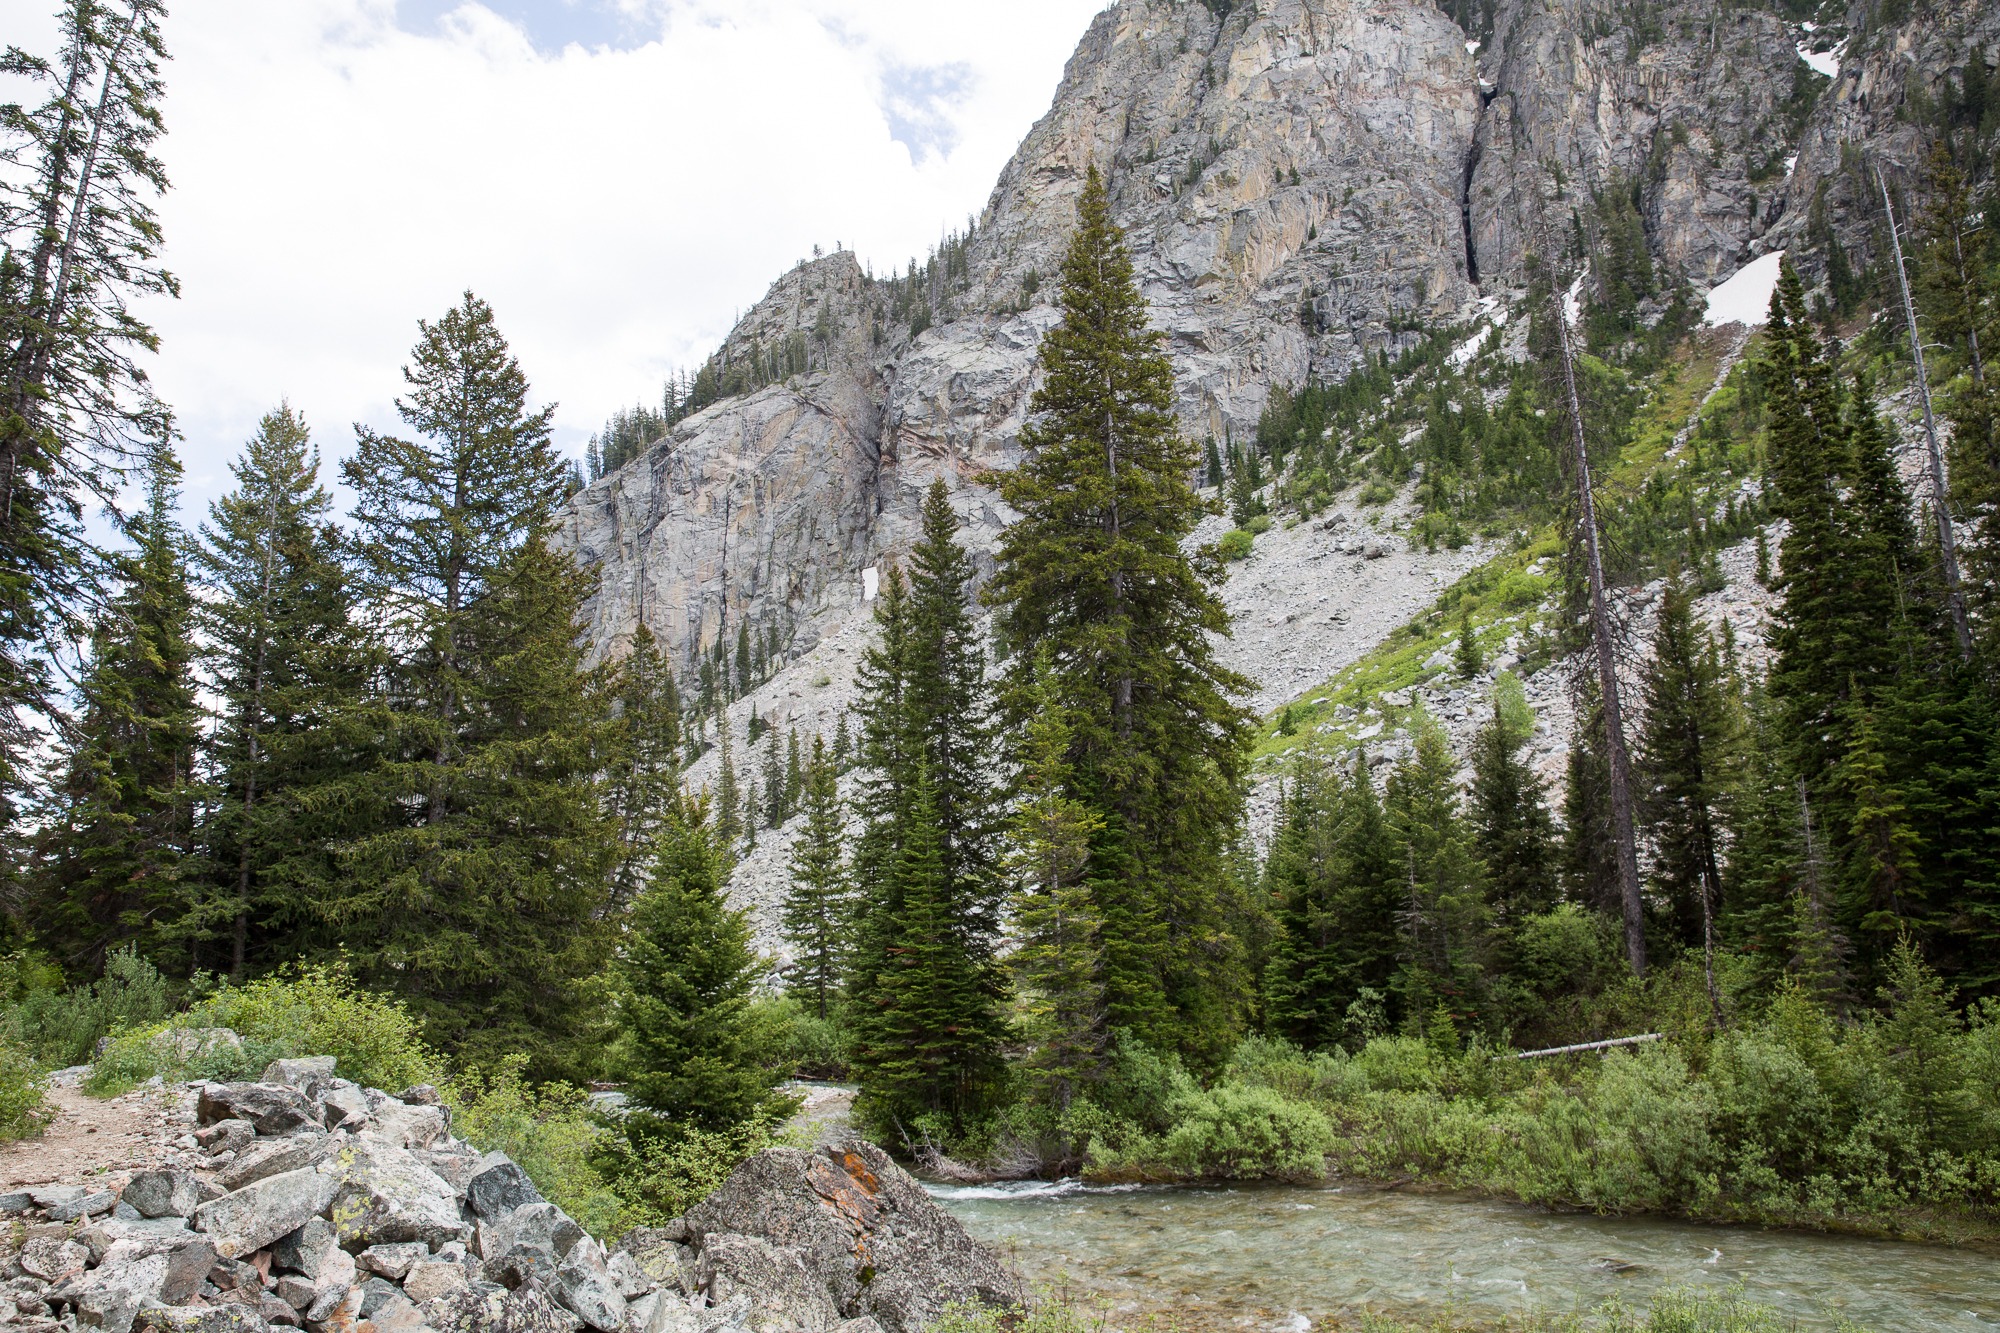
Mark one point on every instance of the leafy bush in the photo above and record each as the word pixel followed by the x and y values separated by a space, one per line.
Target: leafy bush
pixel 550 1131
pixel 660 1170
pixel 803 1044
pixel 1235 1133
pixel 1236 544
pixel 60 1028
pixel 1258 525
pixel 22 1109
pixel 300 1012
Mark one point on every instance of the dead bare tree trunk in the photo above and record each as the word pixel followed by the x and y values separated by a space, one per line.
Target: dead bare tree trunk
pixel 1625 844
pixel 1940 494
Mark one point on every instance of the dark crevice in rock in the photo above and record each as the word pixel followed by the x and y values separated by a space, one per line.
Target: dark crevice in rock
pixel 1465 213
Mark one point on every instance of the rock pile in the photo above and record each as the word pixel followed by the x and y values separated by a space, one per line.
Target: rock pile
pixel 341 1209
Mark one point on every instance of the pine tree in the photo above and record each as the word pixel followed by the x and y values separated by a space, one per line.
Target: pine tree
pixel 1445 915
pixel 689 1046
pixel 819 899
pixel 289 663
pixel 1467 657
pixel 925 711
pixel 1057 964
pixel 795 776
pixel 776 809
pixel 1094 572
pixel 79 255
pixel 1333 880
pixel 928 1044
pixel 728 815
pixel 478 899
pixel 647 767
pixel 1687 752
pixel 115 858
pixel 1515 836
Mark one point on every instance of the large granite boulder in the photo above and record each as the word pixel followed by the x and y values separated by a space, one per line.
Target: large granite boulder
pixel 861 1226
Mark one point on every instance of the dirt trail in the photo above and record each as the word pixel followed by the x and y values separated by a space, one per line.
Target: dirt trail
pixel 94 1139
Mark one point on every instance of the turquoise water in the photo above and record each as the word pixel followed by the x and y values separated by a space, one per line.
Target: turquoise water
pixel 1287 1257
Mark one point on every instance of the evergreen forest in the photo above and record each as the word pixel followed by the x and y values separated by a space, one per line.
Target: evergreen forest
pixel 351 780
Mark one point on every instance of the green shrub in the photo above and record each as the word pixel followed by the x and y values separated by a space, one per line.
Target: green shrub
pixel 660 1170
pixel 1258 525
pixel 1236 1133
pixel 1378 491
pixel 321 1011
pixel 1235 544
pixel 802 1044
pixel 551 1133
pixel 60 1028
pixel 23 1111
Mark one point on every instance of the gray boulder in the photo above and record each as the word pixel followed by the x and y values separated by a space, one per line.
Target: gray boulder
pixel 303 1251
pixel 52 1258
pixel 88 1205
pixel 271 1157
pixel 480 1308
pixel 271 1108
pixel 784 1296
pixel 531 1309
pixel 310 1075
pixel 455 1167
pixel 101 1235
pixel 246 1220
pixel 385 1195
pixel 658 1253
pixel 343 1103
pixel 189 1259
pixel 393 1261
pixel 403 1126
pixel 584 1284
pixel 863 1228
pixel 429 1280
pixel 527 1243
pixel 110 1298
pixel 164 1193
pixel 225 1135
pixel 203 1319
pixel 499 1186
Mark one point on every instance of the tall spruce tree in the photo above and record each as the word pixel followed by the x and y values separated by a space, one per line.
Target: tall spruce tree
pixel 646 771
pixel 1094 572
pixel 115 859
pixel 1057 965
pixel 1516 837
pixel 79 250
pixel 479 897
pixel 688 1045
pixel 819 900
pixel 1445 917
pixel 288 663
pixel 1333 878
pixel 926 710
pixel 927 1046
pixel 1688 756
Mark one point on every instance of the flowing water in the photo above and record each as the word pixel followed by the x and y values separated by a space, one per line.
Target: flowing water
pixel 1286 1257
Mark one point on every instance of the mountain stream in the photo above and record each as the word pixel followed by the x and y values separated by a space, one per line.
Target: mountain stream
pixel 1281 1259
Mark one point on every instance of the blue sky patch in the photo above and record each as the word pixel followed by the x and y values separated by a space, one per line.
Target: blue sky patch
pixel 550 24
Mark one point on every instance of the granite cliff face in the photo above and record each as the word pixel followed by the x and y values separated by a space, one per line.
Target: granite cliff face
pixel 1303 183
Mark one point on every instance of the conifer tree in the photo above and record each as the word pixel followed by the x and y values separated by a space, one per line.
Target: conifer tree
pixel 289 665
pixel 1057 964
pixel 925 711
pixel 1445 915
pixel 115 857
pixel 1687 752
pixel 80 252
pixel 1516 838
pixel 776 808
pixel 688 1044
pixel 1333 879
pixel 928 1044
pixel 478 898
pixel 728 818
pixel 647 766
pixel 795 777
pixel 1094 572
pixel 819 899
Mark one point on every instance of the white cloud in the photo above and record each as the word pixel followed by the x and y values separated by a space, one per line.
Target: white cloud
pixel 337 177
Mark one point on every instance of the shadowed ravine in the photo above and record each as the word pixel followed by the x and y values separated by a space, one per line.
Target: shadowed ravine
pixel 1275 1256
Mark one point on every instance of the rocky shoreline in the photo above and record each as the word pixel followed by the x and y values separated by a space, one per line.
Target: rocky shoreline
pixel 304 1200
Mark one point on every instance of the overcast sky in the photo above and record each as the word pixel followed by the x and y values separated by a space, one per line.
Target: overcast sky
pixel 617 177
